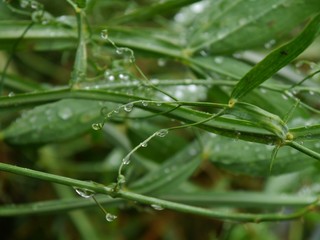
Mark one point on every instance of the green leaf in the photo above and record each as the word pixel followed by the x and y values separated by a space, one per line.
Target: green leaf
pixel 254 159
pixel 274 61
pixel 53 122
pixel 223 26
pixel 306 133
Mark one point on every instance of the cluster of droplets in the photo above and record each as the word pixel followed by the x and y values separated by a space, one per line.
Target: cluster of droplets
pixel 38 14
pixel 161 133
pixel 127 53
pixel 85 193
pixel 108 114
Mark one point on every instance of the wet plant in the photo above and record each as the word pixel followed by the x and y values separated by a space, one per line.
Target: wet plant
pixel 166 107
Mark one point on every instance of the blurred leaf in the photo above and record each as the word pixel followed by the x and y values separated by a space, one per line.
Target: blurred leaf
pixel 223 26
pixel 306 133
pixel 254 159
pixel 149 11
pixel 53 122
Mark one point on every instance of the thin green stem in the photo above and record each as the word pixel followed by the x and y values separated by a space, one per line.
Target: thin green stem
pixel 304 150
pixel 99 188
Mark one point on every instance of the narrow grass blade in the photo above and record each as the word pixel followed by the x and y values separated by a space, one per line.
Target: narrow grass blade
pixel 259 117
pixel 277 59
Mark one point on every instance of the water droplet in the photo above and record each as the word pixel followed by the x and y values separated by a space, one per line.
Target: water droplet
pixel 35 5
pixel 144 144
pixel 111 78
pixel 107 73
pixel 161 62
pixel 123 76
pixel 24 3
pixel 263 91
pixel 104 34
pixel 97 126
pixel 128 107
pixel 144 103
pixel 284 97
pixel 37 16
pixel 218 60
pixel 242 21
pixel 65 113
pixel 126 160
pixel 85 193
pixel 110 217
pixel 11 94
pixel 269 44
pixel 119 51
pixel 162 132
pixel 311 92
pixel 157 207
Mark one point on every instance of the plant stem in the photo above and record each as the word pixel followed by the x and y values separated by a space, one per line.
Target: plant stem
pixel 127 195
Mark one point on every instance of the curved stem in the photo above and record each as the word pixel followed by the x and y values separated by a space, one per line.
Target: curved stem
pixel 127 195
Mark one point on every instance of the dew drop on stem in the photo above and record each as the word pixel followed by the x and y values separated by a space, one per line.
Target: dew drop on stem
pixel 144 103
pixel 85 193
pixel 119 51
pixel 104 34
pixel 24 3
pixel 144 144
pixel 35 5
pixel 11 94
pixel 110 217
pixel 126 160
pixel 162 132
pixel 157 207
pixel 97 126
pixel 128 107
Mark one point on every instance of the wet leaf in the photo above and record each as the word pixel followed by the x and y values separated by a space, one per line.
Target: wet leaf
pixel 53 122
pixel 274 61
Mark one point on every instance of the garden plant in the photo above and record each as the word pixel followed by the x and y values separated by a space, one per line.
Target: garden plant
pixel 173 119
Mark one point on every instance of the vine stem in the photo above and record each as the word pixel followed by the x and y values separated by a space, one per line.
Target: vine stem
pixel 127 195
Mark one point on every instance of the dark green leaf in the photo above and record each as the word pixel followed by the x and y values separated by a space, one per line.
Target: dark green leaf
pixel 275 61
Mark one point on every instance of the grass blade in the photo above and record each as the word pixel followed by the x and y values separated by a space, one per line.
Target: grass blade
pixel 277 59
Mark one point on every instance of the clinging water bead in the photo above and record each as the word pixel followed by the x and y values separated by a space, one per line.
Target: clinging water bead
pixel 104 34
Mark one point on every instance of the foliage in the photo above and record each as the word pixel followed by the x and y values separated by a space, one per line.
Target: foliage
pixel 158 110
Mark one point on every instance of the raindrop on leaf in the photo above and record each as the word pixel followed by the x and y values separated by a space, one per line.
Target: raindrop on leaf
pixel 65 113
